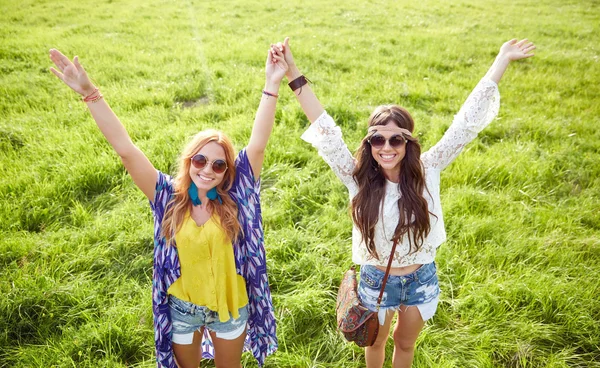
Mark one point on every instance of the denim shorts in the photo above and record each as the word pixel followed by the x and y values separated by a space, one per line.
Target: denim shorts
pixel 186 318
pixel 420 289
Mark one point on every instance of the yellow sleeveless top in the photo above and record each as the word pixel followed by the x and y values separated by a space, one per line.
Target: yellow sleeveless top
pixel 208 276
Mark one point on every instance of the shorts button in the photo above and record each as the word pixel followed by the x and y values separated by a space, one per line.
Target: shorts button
pixel 213 291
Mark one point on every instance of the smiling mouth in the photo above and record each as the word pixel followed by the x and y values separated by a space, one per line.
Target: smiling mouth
pixel 387 157
pixel 204 178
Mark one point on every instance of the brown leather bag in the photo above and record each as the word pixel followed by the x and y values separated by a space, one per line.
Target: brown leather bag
pixel 357 323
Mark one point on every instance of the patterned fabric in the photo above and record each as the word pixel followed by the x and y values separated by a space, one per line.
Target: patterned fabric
pixel 477 112
pixel 356 322
pixel 249 253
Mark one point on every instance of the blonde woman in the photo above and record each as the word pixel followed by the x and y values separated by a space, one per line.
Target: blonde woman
pixel 210 292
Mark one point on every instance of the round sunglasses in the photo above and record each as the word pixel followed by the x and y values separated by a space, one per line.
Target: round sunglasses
pixel 378 141
pixel 200 161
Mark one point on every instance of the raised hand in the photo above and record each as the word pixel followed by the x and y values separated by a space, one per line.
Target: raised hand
pixel 284 46
pixel 514 50
pixel 276 66
pixel 510 51
pixel 72 73
pixel 287 52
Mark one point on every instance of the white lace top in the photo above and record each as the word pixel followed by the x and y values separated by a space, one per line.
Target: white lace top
pixel 477 112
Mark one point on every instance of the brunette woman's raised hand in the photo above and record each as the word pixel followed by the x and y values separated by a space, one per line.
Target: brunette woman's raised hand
pixel 514 50
pixel 293 71
pixel 305 95
pixel 509 51
pixel 72 73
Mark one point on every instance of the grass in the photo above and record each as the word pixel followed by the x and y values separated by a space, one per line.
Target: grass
pixel 519 273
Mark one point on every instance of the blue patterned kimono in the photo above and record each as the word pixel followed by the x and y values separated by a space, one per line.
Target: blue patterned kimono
pixel 250 263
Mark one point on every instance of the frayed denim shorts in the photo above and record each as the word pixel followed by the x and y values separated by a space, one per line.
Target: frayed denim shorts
pixel 419 289
pixel 186 318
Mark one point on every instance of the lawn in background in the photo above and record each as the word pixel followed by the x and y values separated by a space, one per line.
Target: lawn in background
pixel 520 270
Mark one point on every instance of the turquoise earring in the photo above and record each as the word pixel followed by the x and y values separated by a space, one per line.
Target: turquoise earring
pixel 213 194
pixel 193 193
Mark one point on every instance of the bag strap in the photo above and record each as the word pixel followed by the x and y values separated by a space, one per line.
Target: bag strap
pixel 387 273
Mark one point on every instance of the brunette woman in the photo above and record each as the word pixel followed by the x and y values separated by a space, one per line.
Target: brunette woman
pixel 210 292
pixel 395 196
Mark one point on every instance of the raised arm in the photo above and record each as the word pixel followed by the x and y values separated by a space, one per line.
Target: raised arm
pixel 137 164
pixel 323 133
pixel 275 69
pixel 308 100
pixel 479 109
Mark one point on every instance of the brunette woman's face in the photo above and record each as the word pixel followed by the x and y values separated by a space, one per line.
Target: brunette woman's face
pixel 206 178
pixel 389 158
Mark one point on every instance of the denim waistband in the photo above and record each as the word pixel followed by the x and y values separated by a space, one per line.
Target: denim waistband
pixel 185 306
pixel 424 270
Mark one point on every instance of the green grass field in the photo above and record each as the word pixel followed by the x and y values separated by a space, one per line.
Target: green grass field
pixel 519 274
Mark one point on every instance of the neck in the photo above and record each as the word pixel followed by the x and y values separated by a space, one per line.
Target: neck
pixel 202 196
pixel 392 175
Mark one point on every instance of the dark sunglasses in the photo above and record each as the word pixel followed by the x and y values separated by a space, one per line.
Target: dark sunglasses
pixel 218 166
pixel 378 141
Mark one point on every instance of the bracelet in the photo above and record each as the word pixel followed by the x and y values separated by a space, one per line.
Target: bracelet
pixel 298 83
pixel 270 94
pixel 95 96
pixel 90 95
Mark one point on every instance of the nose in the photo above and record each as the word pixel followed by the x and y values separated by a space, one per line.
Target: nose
pixel 387 145
pixel 207 168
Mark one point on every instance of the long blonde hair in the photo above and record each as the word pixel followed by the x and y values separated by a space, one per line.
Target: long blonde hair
pixel 181 202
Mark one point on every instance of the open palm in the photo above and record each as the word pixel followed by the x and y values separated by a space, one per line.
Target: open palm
pixel 514 50
pixel 72 73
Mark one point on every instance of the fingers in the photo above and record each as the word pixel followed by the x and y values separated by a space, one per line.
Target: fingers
pixel 60 60
pixel 77 65
pixel 286 49
pixel 55 59
pixel 57 73
pixel 276 53
pixel 270 57
pixel 271 53
pixel 277 50
pixel 522 42
pixel 278 57
pixel 529 48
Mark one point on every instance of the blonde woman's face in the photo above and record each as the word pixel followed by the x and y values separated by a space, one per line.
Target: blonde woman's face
pixel 209 176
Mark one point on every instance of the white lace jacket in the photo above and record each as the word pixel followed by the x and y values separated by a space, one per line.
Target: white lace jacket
pixel 478 111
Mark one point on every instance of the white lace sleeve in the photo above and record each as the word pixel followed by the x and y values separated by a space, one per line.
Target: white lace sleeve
pixel 326 137
pixel 477 112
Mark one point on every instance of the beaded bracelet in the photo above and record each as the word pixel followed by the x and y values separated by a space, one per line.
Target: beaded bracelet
pixel 86 98
pixel 93 97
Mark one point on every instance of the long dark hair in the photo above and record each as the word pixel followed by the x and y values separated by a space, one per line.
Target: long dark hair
pixel 367 204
